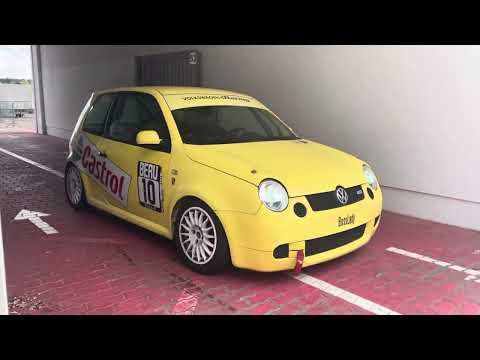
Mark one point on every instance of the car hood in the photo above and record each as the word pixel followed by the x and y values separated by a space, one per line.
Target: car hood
pixel 302 166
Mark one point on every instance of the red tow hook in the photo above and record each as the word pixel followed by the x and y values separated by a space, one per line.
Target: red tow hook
pixel 299 263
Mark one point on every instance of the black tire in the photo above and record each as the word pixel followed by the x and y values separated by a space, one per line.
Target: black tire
pixel 83 200
pixel 221 254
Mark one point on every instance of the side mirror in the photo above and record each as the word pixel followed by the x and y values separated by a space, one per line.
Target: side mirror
pixel 148 137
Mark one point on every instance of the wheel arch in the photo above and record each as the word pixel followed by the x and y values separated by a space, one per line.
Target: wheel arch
pixel 68 164
pixel 86 185
pixel 184 199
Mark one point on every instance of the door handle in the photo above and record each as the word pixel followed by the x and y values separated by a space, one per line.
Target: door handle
pixel 102 154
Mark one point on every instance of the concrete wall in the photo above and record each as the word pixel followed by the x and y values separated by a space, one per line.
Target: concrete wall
pixel 410 111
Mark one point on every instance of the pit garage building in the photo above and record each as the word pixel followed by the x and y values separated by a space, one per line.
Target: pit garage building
pixel 411 111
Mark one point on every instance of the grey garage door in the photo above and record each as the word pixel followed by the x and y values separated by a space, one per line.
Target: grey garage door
pixel 172 69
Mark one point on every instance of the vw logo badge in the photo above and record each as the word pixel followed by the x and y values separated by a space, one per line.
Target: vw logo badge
pixel 342 195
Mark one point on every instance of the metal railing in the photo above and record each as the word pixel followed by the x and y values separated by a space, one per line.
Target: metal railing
pixel 9 109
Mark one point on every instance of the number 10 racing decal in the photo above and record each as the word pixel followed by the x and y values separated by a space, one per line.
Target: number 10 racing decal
pixel 150 192
pixel 104 172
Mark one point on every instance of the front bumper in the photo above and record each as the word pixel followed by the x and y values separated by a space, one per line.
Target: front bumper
pixel 253 238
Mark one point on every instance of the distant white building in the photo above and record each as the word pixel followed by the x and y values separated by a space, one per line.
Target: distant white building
pixel 17 93
pixel 16 99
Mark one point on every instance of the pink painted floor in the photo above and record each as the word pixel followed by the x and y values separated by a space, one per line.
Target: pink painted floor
pixel 98 264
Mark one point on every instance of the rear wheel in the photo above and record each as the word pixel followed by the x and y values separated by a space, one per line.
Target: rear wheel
pixel 74 188
pixel 201 239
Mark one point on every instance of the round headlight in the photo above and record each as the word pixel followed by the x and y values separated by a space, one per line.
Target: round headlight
pixel 370 177
pixel 273 195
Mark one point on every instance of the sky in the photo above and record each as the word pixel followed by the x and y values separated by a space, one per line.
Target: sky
pixel 15 61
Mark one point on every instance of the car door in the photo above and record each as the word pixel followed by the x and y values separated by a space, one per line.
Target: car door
pixel 89 144
pixel 143 167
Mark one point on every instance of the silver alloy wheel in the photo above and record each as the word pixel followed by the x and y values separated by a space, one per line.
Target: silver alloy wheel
pixel 74 185
pixel 198 236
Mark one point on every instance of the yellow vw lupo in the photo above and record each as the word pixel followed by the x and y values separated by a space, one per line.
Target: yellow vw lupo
pixel 222 176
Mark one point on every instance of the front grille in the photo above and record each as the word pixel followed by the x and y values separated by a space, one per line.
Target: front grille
pixel 329 242
pixel 328 200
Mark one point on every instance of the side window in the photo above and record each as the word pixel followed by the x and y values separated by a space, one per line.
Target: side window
pixel 136 112
pixel 95 120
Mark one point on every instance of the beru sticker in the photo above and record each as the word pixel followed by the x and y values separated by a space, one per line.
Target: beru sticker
pixel 150 191
pixel 104 172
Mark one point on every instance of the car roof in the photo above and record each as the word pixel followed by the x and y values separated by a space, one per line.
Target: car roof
pixel 175 90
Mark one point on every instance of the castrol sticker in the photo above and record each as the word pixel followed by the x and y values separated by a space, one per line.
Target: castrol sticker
pixel 104 172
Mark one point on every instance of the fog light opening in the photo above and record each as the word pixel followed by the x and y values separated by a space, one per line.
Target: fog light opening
pixel 281 251
pixel 300 210
pixel 370 193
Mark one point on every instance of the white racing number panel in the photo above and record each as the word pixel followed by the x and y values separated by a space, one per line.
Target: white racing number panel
pixel 150 192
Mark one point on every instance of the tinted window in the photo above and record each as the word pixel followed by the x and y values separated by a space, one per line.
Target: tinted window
pixel 136 112
pixel 229 124
pixel 229 119
pixel 95 120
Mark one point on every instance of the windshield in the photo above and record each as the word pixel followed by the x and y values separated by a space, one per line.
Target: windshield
pixel 229 124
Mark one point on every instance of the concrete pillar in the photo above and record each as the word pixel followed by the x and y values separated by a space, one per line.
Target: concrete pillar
pixel 40 124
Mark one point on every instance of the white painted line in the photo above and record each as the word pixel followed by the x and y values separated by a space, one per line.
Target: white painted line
pixel 472 273
pixel 31 162
pixel 34 218
pixel 187 302
pixel 343 294
pixel 3 281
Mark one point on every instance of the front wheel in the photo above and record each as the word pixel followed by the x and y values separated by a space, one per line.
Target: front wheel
pixel 200 238
pixel 74 188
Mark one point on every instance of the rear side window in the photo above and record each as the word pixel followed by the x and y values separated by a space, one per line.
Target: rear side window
pixel 96 116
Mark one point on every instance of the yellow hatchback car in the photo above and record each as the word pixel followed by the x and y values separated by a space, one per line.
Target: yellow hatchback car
pixel 222 176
